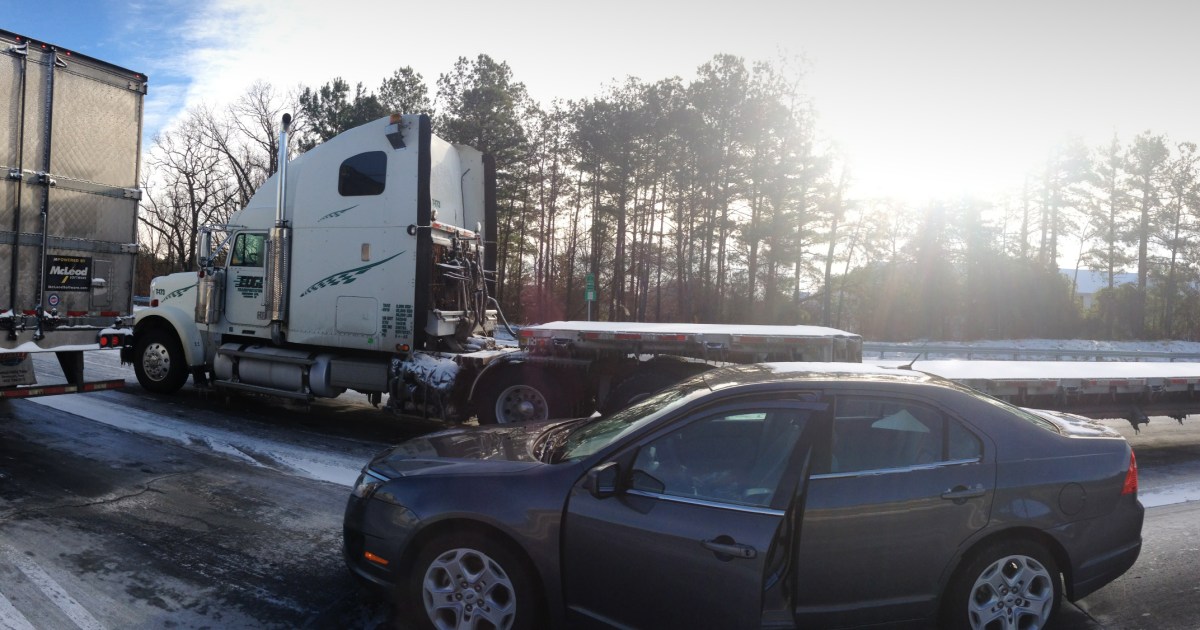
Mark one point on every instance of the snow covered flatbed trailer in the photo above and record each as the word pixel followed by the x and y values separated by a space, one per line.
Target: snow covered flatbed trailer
pixel 68 209
pixel 570 367
pixel 1096 389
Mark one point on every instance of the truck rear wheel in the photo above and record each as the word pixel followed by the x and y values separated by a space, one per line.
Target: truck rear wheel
pixel 521 393
pixel 158 361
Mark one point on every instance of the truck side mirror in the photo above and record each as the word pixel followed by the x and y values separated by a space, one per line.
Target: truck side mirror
pixel 602 481
pixel 204 249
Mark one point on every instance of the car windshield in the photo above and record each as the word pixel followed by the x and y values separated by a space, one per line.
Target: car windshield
pixel 589 438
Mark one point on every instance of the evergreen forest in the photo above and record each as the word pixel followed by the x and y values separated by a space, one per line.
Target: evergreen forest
pixel 718 199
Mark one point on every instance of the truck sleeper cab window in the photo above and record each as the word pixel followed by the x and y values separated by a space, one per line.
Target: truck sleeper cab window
pixel 363 174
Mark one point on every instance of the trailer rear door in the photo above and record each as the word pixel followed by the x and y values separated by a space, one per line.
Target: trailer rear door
pixel 70 154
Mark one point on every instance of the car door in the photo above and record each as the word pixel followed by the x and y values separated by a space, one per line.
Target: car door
pixel 898 484
pixel 693 535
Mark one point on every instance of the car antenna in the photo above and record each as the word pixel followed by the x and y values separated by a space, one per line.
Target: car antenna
pixel 910 363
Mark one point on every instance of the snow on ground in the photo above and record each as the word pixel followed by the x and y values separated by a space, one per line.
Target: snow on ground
pixel 323 465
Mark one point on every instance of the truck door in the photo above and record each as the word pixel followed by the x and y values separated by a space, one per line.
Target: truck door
pixel 244 300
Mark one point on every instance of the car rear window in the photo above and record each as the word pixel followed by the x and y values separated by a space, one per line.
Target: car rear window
pixel 1031 418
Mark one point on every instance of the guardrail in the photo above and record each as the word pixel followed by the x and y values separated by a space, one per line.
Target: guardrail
pixel 948 351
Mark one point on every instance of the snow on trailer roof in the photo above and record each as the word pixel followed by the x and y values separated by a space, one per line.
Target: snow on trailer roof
pixel 693 329
pixel 1052 370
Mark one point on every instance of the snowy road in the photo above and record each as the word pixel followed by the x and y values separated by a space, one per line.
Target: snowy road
pixel 124 509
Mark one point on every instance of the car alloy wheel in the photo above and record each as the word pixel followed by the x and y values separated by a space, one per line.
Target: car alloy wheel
pixel 466 588
pixel 1014 592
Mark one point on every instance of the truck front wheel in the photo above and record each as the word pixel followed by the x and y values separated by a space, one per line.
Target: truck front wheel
pixel 158 361
pixel 521 393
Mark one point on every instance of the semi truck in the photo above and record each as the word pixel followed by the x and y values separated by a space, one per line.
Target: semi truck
pixel 366 264
pixel 70 152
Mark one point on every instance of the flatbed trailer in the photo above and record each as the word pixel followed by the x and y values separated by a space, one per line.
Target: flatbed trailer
pixel 1130 390
pixel 569 368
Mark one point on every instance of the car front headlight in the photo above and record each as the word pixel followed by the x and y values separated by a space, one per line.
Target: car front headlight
pixel 368 482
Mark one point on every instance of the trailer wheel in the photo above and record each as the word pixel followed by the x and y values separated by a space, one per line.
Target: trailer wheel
pixel 647 380
pixel 158 361
pixel 521 393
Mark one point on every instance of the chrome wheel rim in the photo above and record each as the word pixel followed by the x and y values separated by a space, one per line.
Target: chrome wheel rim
pixel 156 361
pixel 1014 592
pixel 464 588
pixel 521 403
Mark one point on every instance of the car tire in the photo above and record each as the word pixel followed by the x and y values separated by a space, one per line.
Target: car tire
pixel 1008 584
pixel 468 580
pixel 522 393
pixel 159 362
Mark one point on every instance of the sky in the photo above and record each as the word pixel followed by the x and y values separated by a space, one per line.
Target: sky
pixel 925 99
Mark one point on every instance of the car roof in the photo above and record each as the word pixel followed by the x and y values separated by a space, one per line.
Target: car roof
pixel 812 372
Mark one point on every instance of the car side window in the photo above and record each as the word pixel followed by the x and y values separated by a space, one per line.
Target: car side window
pixel 880 434
pixel 363 174
pixel 737 458
pixel 247 251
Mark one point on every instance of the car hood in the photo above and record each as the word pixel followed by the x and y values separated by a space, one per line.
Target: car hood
pixel 1072 425
pixel 474 450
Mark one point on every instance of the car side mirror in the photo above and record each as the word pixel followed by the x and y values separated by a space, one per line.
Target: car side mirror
pixel 602 481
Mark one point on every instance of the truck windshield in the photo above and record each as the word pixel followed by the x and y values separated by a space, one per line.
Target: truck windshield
pixel 589 438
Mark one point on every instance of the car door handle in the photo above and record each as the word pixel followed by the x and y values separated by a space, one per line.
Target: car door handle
pixel 724 546
pixel 961 493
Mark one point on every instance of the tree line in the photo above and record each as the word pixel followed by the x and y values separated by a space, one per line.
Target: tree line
pixel 718 200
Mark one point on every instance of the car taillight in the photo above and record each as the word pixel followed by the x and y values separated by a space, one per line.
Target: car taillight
pixel 1130 486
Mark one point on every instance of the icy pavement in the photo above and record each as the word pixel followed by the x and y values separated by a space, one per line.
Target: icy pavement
pixel 315 463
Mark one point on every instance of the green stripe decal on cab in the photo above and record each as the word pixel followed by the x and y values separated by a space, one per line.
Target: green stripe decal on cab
pixel 346 277
pixel 178 292
pixel 337 213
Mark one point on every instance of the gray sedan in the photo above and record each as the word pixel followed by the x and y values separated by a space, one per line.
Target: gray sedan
pixel 777 495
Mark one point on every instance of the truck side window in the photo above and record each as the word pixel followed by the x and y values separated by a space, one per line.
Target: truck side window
pixel 363 174
pixel 247 251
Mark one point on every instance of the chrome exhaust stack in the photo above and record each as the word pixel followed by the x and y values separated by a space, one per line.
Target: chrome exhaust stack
pixel 279 255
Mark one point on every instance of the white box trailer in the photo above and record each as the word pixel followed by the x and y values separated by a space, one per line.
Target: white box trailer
pixel 70 154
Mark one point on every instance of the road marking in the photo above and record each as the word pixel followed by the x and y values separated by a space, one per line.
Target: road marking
pixel 11 618
pixel 51 589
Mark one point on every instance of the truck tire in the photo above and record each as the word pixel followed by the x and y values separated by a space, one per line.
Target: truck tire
pixel 158 361
pixel 649 379
pixel 521 393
